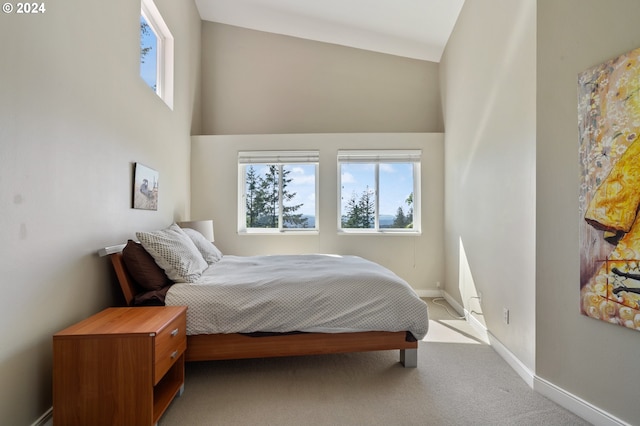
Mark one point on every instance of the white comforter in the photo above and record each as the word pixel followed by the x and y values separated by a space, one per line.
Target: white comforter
pixel 313 293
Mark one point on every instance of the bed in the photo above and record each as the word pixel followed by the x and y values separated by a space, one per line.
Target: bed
pixel 273 306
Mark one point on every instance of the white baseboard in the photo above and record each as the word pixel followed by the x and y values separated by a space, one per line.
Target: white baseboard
pixel 518 366
pixel 442 293
pixel 477 325
pixel 575 404
pixel 429 293
pixel 454 304
pixel 46 419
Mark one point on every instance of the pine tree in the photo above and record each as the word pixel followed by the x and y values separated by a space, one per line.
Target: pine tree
pixel 269 192
pixel 145 30
pixel 400 221
pixel 263 199
pixel 290 218
pixel 360 213
pixel 367 209
pixel 352 217
pixel 252 201
pixel 409 202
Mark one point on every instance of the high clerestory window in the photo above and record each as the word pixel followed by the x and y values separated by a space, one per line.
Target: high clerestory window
pixel 379 191
pixel 277 191
pixel 156 52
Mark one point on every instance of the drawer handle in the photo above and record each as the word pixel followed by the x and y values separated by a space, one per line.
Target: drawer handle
pixel 174 354
pixel 174 332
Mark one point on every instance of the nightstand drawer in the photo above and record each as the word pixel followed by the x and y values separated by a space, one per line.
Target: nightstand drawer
pixel 170 343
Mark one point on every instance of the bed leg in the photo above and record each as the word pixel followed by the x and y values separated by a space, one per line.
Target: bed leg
pixel 409 358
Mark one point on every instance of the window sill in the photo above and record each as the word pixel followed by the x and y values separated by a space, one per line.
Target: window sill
pixel 277 232
pixel 380 232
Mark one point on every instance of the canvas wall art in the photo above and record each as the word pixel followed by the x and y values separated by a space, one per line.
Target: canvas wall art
pixel 145 188
pixel 609 153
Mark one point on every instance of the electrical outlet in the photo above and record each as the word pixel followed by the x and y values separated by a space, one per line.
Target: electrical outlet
pixel 505 315
pixel 438 284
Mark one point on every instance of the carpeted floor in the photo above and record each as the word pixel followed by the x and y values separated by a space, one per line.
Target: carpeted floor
pixel 463 382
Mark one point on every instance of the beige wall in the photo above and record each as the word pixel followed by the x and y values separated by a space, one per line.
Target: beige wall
pixel 417 259
pixel 509 86
pixel 74 116
pixel 589 358
pixel 256 82
pixel 488 76
pixel 271 86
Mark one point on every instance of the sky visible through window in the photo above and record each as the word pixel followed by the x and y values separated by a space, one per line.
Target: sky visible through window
pixel 396 184
pixel 303 184
pixel 148 60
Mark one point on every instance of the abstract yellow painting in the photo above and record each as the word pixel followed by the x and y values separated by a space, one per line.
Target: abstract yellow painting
pixel 609 153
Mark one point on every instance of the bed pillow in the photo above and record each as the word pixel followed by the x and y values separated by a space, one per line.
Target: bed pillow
pixel 209 252
pixel 143 268
pixel 175 253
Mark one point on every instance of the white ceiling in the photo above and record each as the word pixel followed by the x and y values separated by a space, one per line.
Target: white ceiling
pixel 413 28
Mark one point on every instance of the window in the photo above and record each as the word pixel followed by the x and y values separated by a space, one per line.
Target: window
pixel 379 191
pixel 156 52
pixel 148 54
pixel 277 191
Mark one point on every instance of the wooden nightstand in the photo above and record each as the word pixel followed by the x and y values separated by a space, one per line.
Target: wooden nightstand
pixel 122 366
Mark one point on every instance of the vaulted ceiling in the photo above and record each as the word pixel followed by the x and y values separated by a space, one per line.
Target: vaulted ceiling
pixel 412 28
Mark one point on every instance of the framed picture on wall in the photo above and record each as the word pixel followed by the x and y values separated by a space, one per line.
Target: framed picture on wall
pixel 145 188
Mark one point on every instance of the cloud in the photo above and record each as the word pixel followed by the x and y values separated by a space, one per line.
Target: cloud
pixel 311 197
pixel 347 178
pixel 304 180
pixel 387 168
pixel 299 176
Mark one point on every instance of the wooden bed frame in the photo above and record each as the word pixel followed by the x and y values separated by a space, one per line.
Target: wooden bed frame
pixel 209 347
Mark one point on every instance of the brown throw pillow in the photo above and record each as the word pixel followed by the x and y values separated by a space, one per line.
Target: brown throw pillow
pixel 142 268
pixel 154 298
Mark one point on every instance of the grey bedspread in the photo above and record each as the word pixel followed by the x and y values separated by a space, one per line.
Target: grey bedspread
pixel 312 293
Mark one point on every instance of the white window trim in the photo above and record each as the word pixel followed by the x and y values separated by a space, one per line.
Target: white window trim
pixel 281 158
pixel 376 157
pixel 165 46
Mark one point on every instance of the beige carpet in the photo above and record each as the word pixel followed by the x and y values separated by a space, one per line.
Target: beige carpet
pixel 459 383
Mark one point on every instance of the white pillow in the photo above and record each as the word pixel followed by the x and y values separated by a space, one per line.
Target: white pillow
pixel 209 252
pixel 175 253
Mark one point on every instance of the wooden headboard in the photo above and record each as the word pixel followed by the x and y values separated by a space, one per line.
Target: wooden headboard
pixel 127 285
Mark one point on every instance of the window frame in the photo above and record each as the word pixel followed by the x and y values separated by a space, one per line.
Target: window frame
pixel 375 158
pixel 165 51
pixel 281 159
